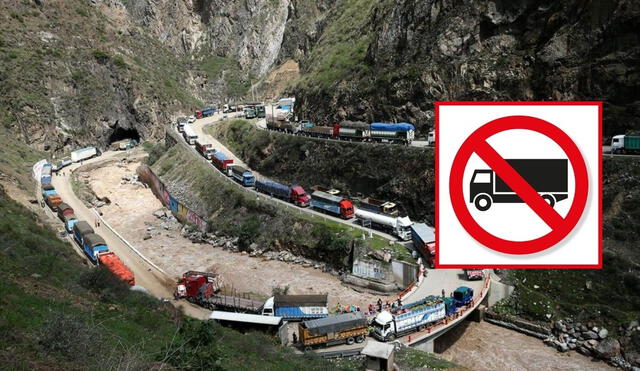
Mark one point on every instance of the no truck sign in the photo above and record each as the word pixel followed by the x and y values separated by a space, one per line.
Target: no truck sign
pixel 518 185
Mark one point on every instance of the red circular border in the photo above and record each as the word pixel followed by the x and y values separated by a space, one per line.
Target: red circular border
pixel 518 247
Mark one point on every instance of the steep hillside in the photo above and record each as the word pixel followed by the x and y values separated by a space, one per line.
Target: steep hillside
pixel 391 60
pixel 404 175
pixel 57 313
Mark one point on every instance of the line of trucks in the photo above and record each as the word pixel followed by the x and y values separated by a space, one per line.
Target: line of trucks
pixel 349 130
pixel 316 326
pixel 380 214
pixel 91 244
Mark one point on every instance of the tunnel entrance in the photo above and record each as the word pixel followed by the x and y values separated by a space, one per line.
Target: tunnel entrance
pixel 121 134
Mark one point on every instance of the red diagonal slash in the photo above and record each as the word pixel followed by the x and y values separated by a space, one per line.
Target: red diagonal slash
pixel 517 184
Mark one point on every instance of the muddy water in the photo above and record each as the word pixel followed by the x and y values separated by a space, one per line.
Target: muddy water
pixel 483 346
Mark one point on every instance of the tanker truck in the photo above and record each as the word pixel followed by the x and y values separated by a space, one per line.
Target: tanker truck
pixel 398 226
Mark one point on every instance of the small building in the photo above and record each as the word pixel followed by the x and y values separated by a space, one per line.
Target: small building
pixel 380 356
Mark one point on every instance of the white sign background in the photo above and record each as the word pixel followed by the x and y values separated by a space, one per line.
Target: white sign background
pixel 516 221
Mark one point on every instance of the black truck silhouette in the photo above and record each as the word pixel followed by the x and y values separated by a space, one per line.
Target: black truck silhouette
pixel 547 176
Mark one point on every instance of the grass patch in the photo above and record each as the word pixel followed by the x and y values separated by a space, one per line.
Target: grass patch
pixel 413 359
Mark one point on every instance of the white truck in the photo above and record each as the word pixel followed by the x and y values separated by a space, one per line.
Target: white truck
pixel 189 135
pixel 83 154
pixel 398 226
pixel 387 326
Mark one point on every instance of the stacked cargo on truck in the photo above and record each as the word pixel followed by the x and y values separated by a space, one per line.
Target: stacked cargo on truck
pixel 81 229
pixel 387 326
pixel 346 328
pixel 625 144
pixel 242 175
pixel 64 209
pixel 379 206
pixel 332 204
pixel 53 201
pixel 296 307
pixel 221 161
pixel 111 261
pixel 294 193
pixel 424 238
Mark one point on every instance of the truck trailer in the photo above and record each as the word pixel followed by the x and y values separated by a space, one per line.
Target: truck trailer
pixel 332 204
pixel 241 175
pixel 296 307
pixel 402 132
pixel 625 144
pixel 547 176
pixel 424 238
pixel 205 149
pixel 387 326
pixel 84 154
pixel 69 221
pixel 205 112
pixel 398 226
pixel 346 328
pixel 53 201
pixel 111 261
pixel 64 209
pixel 294 193
pixel 221 161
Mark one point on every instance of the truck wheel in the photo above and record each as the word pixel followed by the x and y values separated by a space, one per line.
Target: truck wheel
pixel 307 348
pixel 360 339
pixel 350 341
pixel 550 200
pixel 482 202
pixel 391 337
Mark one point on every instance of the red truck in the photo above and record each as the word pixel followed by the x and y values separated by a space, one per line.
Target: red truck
pixel 221 161
pixel 64 209
pixel 205 149
pixel 474 274
pixel 196 287
pixel 294 193
pixel 424 238
pixel 111 261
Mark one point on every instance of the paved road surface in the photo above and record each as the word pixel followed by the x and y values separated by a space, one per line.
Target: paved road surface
pixel 447 279
pixel 156 282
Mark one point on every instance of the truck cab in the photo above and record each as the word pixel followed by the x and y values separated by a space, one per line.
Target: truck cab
pixel 617 143
pixel 383 326
pixel 431 138
pixel 267 308
pixel 346 209
pixel 299 196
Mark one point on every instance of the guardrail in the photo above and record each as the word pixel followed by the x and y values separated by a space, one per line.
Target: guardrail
pixel 451 320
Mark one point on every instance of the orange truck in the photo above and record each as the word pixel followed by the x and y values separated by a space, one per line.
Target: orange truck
pixel 346 328
pixel 53 201
pixel 111 261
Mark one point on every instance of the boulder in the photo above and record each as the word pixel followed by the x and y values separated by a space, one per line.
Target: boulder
pixel 572 346
pixel 607 348
pixel 603 333
pixel 632 357
pixel 632 325
pixel 592 343
pixel 590 335
pixel 562 347
pixel 584 351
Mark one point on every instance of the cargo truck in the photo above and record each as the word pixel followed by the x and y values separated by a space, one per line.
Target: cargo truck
pixel 64 209
pixel 249 112
pixel 221 161
pixel 416 316
pixel 331 191
pixel 474 274
pixel 81 229
pixel 63 163
pixel 346 328
pixel 124 144
pixel 296 307
pixel 69 221
pixel 332 204
pixel 625 144
pixel 383 132
pixel 93 245
pixel 397 226
pixel 423 238
pixel 378 206
pixel 197 287
pixel 260 112
pixel 462 296
pixel 84 154
pixel 111 261
pixel 205 112
pixel 205 150
pixel 548 177
pixel 294 193
pixel 53 201
pixel 47 189
pixel 241 175
pixel 189 135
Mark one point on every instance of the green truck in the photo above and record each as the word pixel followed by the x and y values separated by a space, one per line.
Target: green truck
pixel 625 144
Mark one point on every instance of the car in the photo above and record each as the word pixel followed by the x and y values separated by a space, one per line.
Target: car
pixel 191 119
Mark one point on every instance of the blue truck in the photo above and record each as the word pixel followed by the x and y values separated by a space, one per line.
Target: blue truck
pixel 45 175
pixel 94 245
pixel 296 307
pixel 242 175
pixel 332 204
pixel 462 296
pixel 69 221
pixel 81 229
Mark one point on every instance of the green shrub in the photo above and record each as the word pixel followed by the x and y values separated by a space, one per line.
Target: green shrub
pixel 101 56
